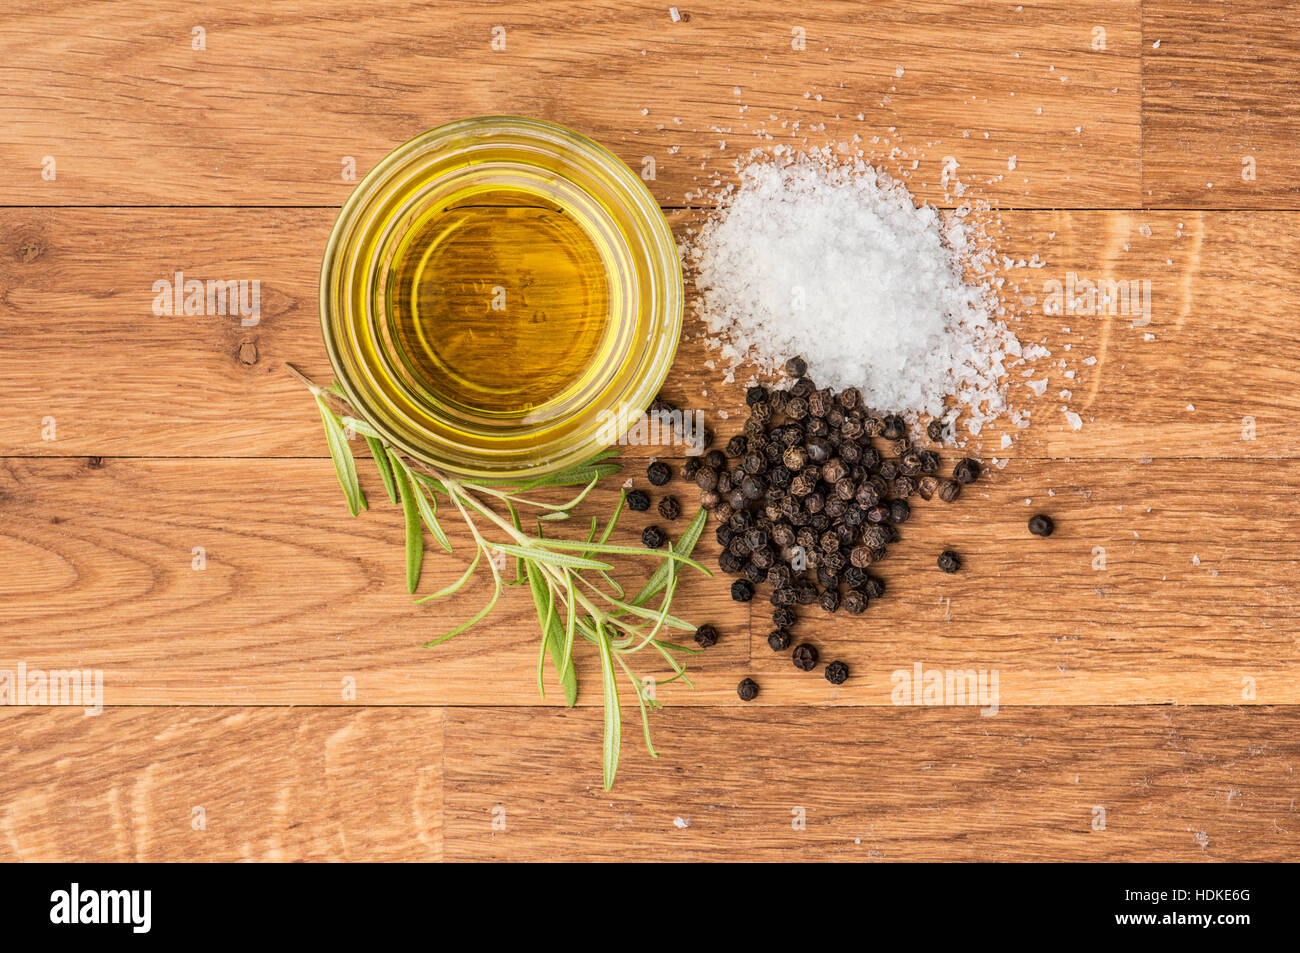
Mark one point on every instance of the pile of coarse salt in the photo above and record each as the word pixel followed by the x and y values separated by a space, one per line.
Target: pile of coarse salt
pixel 835 262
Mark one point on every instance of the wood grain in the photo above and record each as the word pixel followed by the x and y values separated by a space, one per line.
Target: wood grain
pixel 267 113
pixel 1194 604
pixel 79 342
pixel 1219 82
pixel 221 785
pixel 1175 784
pixel 167 515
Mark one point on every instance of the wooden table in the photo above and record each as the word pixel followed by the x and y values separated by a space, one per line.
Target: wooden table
pixel 168 514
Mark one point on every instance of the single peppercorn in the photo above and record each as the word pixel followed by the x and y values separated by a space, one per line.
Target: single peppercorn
pixel 690 468
pixel 927 487
pixel 658 473
pixel 653 537
pixel 829 600
pixel 742 590
pixel 855 602
pixel 949 490
pixel 796 367
pixel 669 508
pixel 737 446
pixel 706 636
pixel 805 657
pixel 934 430
pixel 837 673
pixel 638 500
pixel 778 640
pixel 756 395
pixel 1041 525
pixel 784 617
pixel 966 470
pixel 899 511
pixel 874 587
pixel 949 561
pixel 747 690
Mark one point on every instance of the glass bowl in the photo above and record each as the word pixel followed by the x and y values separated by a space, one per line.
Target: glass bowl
pixel 560 173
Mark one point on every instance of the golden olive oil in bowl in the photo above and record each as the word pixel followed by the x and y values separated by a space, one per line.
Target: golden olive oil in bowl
pixel 495 291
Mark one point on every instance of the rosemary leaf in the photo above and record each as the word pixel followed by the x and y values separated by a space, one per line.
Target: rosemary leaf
pixel 474 619
pixel 669 554
pixel 414 534
pixel 537 554
pixel 384 466
pixel 684 546
pixel 455 586
pixel 613 717
pixel 552 637
pixel 344 464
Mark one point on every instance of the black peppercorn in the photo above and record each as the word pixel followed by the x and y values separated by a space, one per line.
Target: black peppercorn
pixel 756 394
pixel 729 562
pixel 706 636
pixel 855 602
pixel 966 470
pixel 837 673
pixel 653 537
pixel 927 486
pixel 716 460
pixel 709 499
pixel 754 572
pixel 658 473
pixel 829 600
pixel 669 508
pixel 796 408
pixel 949 490
pixel 934 430
pixel 874 587
pixel 929 461
pixel 690 468
pixel 893 427
pixel 747 690
pixel 796 367
pixel 638 500
pixel 737 446
pixel 779 640
pixel 805 593
pixel 899 511
pixel 949 561
pixel 1041 525
pixel 784 617
pixel 805 657
pixel 742 590
pixel 783 596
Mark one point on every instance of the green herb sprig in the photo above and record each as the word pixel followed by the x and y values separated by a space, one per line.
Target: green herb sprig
pixel 573 590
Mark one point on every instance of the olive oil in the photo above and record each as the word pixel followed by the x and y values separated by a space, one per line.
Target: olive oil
pixel 495 292
pixel 499 309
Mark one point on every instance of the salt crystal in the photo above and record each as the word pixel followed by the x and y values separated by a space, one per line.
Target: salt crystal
pixel 681 823
pixel 672 12
pixel 1038 387
pixel 1076 422
pixel 1011 164
pixel 1196 560
pixel 837 263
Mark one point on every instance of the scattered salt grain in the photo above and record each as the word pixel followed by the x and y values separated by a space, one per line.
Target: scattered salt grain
pixel 1076 422
pixel 681 823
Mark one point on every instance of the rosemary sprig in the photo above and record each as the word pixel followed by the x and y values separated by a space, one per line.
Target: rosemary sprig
pixel 570 581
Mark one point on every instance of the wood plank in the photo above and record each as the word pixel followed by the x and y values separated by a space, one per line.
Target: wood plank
pixel 221 785
pixel 268 111
pixel 1183 784
pixel 1218 118
pixel 79 342
pixel 1194 605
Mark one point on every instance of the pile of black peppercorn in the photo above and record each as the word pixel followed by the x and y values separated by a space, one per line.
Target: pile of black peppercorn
pixel 810 496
